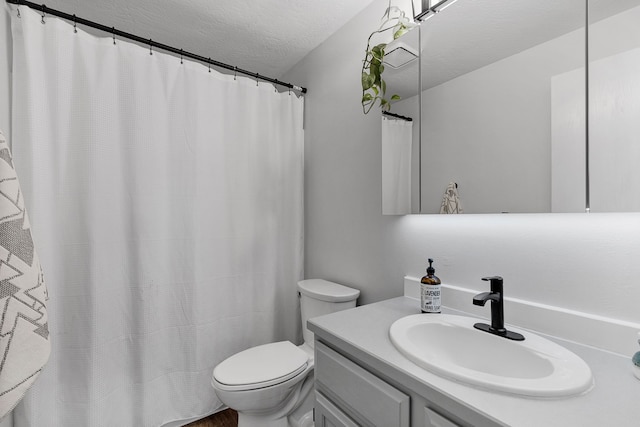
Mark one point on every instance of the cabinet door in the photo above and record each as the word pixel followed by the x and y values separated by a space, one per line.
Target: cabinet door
pixel 329 415
pixel 365 397
pixel 434 419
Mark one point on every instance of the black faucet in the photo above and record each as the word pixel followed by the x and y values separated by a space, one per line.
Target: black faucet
pixel 496 296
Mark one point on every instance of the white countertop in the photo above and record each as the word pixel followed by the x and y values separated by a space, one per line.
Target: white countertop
pixel 613 401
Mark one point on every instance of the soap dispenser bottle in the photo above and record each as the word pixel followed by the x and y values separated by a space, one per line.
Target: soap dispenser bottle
pixel 636 361
pixel 430 298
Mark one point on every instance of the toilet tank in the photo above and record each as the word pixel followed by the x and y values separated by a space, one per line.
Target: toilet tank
pixel 319 297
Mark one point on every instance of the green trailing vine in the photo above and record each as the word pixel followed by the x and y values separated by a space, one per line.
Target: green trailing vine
pixel 374 88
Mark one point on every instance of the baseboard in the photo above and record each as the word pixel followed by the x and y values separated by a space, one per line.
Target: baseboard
pixel 617 336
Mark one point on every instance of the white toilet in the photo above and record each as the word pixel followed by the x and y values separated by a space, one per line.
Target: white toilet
pixel 270 385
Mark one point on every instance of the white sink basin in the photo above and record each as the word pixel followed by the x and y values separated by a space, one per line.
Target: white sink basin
pixel 450 346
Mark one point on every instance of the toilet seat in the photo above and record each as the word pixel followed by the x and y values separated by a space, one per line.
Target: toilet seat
pixel 260 367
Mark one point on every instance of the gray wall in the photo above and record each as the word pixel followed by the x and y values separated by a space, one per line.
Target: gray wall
pixel 584 262
pixel 347 238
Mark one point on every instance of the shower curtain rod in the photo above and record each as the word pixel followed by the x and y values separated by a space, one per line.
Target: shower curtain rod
pixel 397 116
pixel 115 32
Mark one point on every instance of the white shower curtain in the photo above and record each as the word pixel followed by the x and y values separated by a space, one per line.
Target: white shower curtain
pixel 397 143
pixel 167 205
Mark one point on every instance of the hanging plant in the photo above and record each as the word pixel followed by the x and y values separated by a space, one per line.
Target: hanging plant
pixel 374 88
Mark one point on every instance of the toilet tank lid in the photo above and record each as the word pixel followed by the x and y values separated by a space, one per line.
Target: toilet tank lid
pixel 327 291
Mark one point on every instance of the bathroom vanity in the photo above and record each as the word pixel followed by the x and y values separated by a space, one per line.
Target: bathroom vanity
pixel 362 379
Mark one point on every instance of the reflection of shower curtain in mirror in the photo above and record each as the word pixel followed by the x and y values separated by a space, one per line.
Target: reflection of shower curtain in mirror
pixel 167 203
pixel 397 136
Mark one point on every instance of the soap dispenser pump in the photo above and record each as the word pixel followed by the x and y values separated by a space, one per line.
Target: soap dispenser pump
pixel 430 289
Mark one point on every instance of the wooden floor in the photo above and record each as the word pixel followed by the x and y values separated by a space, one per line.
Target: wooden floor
pixel 226 418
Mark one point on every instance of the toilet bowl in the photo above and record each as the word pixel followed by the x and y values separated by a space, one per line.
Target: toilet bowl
pixel 270 385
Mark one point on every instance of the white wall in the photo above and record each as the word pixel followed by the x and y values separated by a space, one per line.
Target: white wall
pixel 5 102
pixel 584 262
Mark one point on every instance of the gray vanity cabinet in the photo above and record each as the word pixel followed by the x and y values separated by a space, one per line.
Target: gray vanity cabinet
pixel 348 395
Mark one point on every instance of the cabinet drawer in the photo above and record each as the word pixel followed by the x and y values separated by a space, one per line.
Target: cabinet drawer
pixel 356 389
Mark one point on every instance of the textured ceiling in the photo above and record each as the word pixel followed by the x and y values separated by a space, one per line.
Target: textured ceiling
pixel 264 36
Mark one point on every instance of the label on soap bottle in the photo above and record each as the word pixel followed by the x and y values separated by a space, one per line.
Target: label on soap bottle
pixel 430 298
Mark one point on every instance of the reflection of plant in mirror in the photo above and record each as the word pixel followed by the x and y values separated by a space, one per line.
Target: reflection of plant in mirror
pixel 374 87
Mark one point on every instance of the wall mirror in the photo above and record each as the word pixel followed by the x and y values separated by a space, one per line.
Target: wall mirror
pixel 498 116
pixel 503 100
pixel 614 105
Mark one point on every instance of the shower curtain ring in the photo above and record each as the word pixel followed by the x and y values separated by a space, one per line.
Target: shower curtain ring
pixel 209 62
pixel 75 24
pixel 43 14
pixel 257 77
pixel 18 8
pixel 113 33
pixel 150 47
pixel 181 57
pixel 275 87
pixel 235 73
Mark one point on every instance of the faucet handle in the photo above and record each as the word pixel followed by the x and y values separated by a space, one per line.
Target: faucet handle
pixel 496 283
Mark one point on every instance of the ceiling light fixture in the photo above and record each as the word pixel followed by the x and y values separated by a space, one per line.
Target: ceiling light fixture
pixel 425 15
pixel 432 7
pixel 443 5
